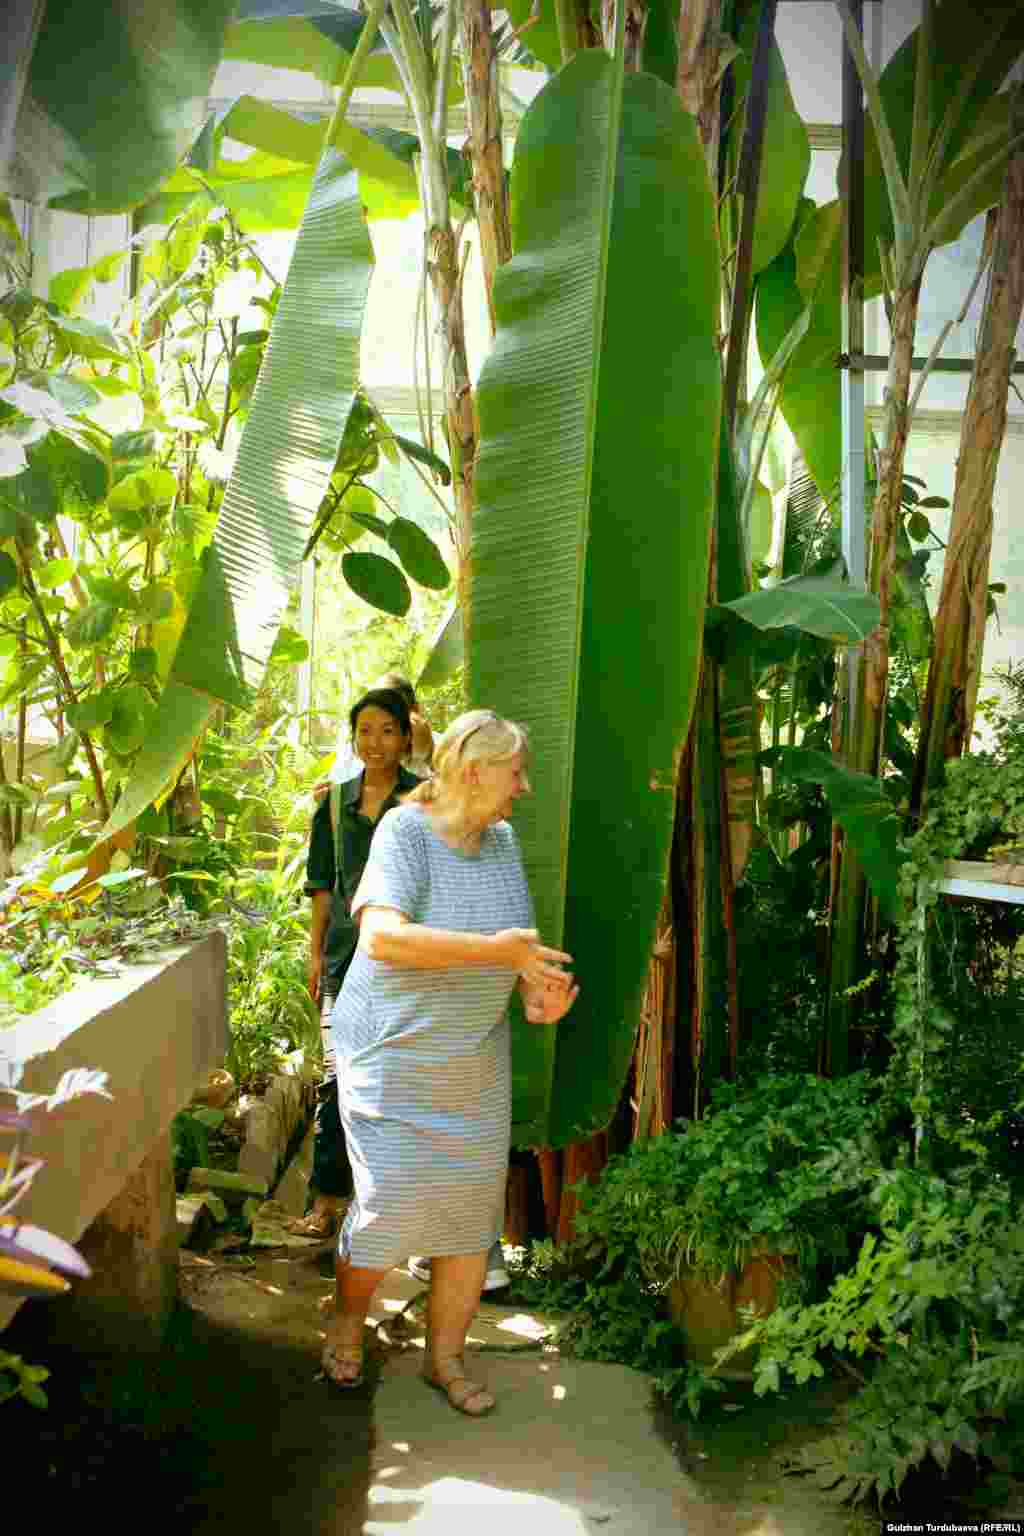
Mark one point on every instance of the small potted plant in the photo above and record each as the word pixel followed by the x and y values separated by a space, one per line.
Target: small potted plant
pixel 726 1210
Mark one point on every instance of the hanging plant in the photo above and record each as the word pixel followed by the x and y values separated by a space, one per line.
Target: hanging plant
pixel 979 810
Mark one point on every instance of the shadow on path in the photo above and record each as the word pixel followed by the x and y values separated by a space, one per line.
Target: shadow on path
pixel 227 1430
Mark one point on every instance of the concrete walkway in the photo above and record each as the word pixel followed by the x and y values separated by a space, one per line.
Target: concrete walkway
pixel 571 1450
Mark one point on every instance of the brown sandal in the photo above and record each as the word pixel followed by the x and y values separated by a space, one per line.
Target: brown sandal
pixel 459 1391
pixel 335 1361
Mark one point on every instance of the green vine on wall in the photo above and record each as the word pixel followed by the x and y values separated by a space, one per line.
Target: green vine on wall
pixel 979 812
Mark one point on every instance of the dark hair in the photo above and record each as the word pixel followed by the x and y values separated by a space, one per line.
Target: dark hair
pixel 400 685
pixel 387 699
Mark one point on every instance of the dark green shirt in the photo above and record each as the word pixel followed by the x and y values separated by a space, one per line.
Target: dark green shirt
pixel 356 835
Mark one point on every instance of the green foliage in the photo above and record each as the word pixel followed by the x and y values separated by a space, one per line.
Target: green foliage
pixel 935 1297
pixel 781 902
pixel 271 1011
pixel 940 962
pixel 73 154
pixel 781 1166
pixel 786 157
pixel 773 1167
pixel 50 940
pixel 190 1144
pixel 18 1379
pixel 557 540
pixel 22 990
pixel 860 805
pixel 89 639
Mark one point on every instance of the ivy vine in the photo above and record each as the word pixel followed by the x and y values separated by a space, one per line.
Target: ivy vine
pixel 978 814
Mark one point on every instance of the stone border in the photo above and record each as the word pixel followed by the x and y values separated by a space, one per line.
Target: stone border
pixel 272 1121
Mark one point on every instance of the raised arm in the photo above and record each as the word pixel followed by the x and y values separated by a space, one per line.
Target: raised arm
pixel 387 935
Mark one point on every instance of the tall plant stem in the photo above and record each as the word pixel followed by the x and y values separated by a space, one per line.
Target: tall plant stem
pixel 867 726
pixel 63 676
pixel 885 518
pixel 19 769
pixel 6 824
pixel 445 271
pixel 963 604
pixel 576 27
pixel 749 182
pixel 634 27
pixel 704 55
pixel 483 111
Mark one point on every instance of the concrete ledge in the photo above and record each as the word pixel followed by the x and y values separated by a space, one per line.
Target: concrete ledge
pixel 157 1029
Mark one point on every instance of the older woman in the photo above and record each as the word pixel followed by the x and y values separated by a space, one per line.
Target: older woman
pixel 422 1043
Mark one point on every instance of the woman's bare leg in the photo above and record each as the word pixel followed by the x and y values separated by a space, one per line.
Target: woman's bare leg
pixel 455 1286
pixel 343 1350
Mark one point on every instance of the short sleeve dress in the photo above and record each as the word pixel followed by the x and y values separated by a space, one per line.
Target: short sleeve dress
pixel 424 1072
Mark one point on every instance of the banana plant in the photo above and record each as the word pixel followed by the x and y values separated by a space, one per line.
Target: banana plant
pixel 421 63
pixel 573 439
pixel 920 136
pixel 287 454
pixel 105 114
pixel 963 609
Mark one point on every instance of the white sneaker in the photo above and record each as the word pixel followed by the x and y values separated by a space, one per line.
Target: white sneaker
pixel 494 1280
pixel 496 1277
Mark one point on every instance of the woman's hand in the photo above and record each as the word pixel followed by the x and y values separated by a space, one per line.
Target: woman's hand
pixel 551 1002
pixel 314 973
pixel 521 950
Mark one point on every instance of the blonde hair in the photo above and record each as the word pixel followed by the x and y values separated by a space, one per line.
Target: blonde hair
pixel 477 736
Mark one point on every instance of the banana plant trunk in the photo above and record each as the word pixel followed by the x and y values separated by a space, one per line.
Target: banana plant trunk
pixel 483 113
pixel 864 733
pixel 703 56
pixel 460 416
pixel 963 605
pixel 428 102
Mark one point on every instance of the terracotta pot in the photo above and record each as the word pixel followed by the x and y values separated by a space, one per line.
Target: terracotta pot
pixel 709 1312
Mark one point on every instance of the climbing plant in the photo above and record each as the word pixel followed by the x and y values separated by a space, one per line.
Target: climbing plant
pixel 979 813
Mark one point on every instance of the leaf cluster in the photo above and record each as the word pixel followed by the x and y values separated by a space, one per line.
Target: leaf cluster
pixel 782 1166
pixel 979 807
pixel 932 1308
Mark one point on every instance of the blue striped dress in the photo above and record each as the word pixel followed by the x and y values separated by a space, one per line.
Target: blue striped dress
pixel 424 1072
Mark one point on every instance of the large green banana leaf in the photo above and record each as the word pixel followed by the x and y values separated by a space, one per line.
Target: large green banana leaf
pixel 962 30
pixel 116 95
pixel 269 189
pixel 869 818
pixel 315 38
pixel 810 271
pixel 825 606
pixel 448 652
pixel 806 273
pixel 288 449
pixel 786 156
pixel 541 35
pixel 599 415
